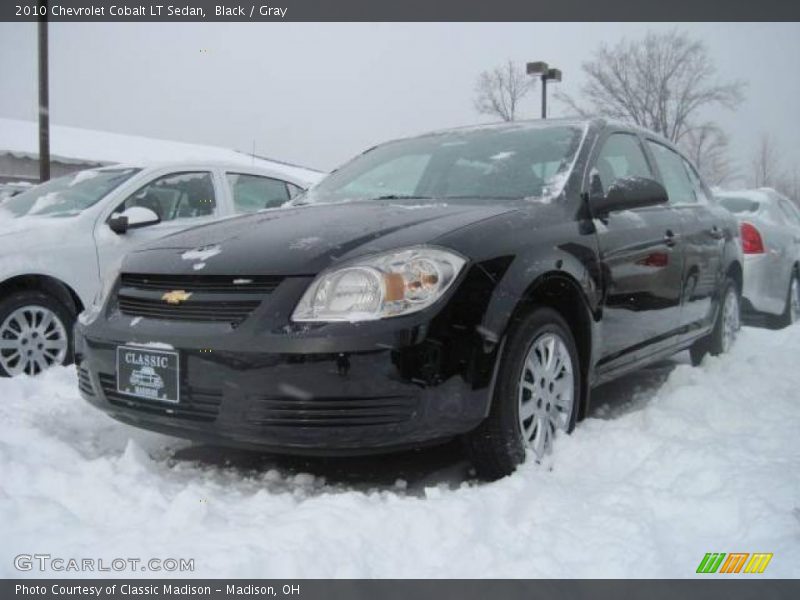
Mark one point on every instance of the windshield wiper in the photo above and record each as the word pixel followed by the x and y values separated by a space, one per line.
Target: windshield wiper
pixel 302 202
pixel 481 197
pixel 401 197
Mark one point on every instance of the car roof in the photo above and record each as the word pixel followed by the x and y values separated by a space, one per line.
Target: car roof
pixel 595 123
pixel 200 164
pixel 754 195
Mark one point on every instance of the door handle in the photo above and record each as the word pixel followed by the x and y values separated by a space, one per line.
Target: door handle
pixel 670 239
pixel 716 233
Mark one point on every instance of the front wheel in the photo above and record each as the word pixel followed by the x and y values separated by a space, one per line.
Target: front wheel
pixel 35 333
pixel 535 399
pixel 726 326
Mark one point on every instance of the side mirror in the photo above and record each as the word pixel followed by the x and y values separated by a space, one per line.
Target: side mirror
pixel 626 193
pixel 132 218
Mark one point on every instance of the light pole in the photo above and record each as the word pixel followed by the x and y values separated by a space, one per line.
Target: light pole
pixel 44 100
pixel 545 73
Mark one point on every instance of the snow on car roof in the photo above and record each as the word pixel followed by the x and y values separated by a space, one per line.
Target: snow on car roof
pixel 73 144
pixel 759 195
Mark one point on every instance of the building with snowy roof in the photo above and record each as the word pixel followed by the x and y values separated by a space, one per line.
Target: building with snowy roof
pixel 73 149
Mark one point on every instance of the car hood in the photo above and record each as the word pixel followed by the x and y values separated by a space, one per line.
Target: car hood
pixel 12 229
pixel 305 240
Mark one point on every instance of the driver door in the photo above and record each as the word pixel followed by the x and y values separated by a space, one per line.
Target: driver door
pixel 181 200
pixel 641 257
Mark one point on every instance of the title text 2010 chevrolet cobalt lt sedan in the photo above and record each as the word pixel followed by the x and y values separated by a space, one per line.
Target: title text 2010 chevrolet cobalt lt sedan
pixel 474 282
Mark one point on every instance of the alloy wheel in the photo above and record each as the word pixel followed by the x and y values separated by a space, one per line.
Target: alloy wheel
pixel 32 339
pixel 794 299
pixel 730 319
pixel 546 392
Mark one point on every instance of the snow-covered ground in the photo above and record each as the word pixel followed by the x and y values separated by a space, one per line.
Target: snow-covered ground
pixel 675 462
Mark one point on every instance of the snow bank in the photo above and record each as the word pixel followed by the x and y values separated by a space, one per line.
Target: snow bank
pixel 702 460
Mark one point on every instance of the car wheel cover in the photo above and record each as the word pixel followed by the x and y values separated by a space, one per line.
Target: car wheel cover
pixel 546 392
pixel 730 319
pixel 32 339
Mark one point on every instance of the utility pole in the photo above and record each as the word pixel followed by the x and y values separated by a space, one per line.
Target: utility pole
pixel 44 100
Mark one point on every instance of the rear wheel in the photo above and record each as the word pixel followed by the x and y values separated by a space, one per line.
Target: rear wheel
pixel 726 327
pixel 35 333
pixel 791 313
pixel 536 396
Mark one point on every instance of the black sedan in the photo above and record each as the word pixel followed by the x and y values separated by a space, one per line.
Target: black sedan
pixel 475 282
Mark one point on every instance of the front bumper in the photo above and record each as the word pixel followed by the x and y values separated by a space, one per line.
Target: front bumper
pixel 301 395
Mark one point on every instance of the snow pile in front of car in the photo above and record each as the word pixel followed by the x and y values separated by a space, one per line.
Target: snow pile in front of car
pixel 700 460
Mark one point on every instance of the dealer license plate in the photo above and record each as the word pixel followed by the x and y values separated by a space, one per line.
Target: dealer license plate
pixel 148 373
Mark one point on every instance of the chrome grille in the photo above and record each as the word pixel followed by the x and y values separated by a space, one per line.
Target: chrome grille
pixel 216 298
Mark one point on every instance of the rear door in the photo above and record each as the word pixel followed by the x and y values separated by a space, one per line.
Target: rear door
pixel 794 226
pixel 787 244
pixel 641 254
pixel 703 226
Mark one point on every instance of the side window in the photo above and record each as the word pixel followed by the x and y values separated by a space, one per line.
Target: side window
pixel 621 156
pixel 791 213
pixel 252 192
pixel 676 180
pixel 176 196
pixel 697 183
pixel 770 212
pixel 795 211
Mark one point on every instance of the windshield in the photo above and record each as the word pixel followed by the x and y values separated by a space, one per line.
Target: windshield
pixel 68 195
pixel 738 204
pixel 513 162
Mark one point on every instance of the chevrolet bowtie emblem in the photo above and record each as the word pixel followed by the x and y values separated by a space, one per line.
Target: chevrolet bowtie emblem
pixel 176 296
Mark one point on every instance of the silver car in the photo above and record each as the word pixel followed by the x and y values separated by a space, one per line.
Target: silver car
pixel 770 228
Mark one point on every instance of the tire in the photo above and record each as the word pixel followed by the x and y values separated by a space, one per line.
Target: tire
pixel 791 313
pixel 499 444
pixel 726 326
pixel 35 333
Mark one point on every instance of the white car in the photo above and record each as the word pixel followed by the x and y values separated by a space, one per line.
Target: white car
pixel 61 240
pixel 770 227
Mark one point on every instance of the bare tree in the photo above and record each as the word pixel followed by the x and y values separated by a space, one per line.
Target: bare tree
pixel 498 92
pixel 660 82
pixel 707 147
pixel 765 163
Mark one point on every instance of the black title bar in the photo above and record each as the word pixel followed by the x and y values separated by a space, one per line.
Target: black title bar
pixel 400 10
pixel 708 588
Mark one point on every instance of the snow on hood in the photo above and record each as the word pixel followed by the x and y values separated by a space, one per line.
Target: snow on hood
pixel 11 225
pixel 304 240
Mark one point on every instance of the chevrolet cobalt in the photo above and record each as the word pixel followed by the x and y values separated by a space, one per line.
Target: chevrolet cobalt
pixel 473 283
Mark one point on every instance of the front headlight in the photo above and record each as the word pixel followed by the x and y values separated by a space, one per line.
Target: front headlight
pixel 382 285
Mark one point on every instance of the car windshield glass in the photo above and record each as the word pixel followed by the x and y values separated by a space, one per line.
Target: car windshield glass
pixel 738 204
pixel 68 195
pixel 523 161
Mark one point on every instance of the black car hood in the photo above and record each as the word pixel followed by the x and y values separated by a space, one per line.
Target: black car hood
pixel 305 240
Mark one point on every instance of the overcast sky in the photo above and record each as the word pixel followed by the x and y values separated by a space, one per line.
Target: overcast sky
pixel 316 94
